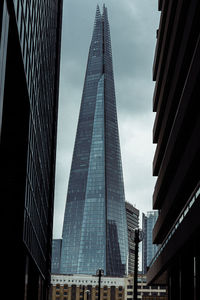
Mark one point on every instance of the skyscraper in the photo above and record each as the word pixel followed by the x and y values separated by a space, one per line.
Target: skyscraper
pixel 148 248
pixel 30 34
pixel 132 216
pixel 55 260
pixel 95 228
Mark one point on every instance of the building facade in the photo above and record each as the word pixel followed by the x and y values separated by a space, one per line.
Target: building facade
pixel 145 292
pixel 95 228
pixel 30 34
pixel 148 248
pixel 176 162
pixel 55 260
pixel 132 216
pixel 86 287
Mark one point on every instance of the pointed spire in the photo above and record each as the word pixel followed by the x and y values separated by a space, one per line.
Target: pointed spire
pixel 97 23
pixel 98 9
pixel 107 41
pixel 98 13
pixel 104 10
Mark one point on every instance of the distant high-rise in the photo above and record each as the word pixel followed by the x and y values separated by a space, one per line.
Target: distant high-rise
pixel 55 261
pixel 148 248
pixel 132 216
pixel 30 34
pixel 95 228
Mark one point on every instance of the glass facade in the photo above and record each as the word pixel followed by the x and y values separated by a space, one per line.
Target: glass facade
pixel 55 262
pixel 95 228
pixel 132 215
pixel 30 37
pixel 148 248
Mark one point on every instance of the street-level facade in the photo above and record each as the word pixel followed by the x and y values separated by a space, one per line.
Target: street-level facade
pixel 30 42
pixel 144 292
pixel 86 287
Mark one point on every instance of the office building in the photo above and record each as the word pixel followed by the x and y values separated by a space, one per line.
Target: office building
pixel 132 216
pixel 55 260
pixel 145 292
pixel 95 229
pixel 176 162
pixel 148 248
pixel 86 287
pixel 30 34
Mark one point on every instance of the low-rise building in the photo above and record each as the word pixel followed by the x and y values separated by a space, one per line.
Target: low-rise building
pixel 145 292
pixel 86 287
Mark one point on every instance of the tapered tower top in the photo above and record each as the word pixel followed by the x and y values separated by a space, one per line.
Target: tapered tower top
pixel 95 228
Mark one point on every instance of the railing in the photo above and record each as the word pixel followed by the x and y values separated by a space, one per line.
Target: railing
pixel 178 221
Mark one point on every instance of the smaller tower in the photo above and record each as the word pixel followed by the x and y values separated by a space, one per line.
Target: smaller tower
pixel 148 248
pixel 132 216
pixel 56 251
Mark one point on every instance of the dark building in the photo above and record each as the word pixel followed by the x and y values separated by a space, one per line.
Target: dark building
pixel 56 251
pixel 177 156
pixel 132 216
pixel 148 248
pixel 30 33
pixel 95 228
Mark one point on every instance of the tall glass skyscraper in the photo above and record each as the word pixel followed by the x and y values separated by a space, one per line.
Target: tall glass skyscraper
pixel 148 248
pixel 95 228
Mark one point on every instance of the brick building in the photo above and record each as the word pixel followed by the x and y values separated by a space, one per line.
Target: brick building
pixel 85 287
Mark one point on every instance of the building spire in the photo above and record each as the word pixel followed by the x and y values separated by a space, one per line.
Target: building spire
pixel 98 13
pixel 97 22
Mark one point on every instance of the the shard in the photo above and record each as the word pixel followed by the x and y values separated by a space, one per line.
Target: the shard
pixel 95 228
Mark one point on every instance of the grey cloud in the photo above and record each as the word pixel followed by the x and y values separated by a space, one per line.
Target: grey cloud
pixel 134 96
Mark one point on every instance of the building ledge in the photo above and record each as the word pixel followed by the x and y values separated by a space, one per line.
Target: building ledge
pixel 185 227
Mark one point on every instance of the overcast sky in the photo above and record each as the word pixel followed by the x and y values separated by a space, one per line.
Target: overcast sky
pixel 133 25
